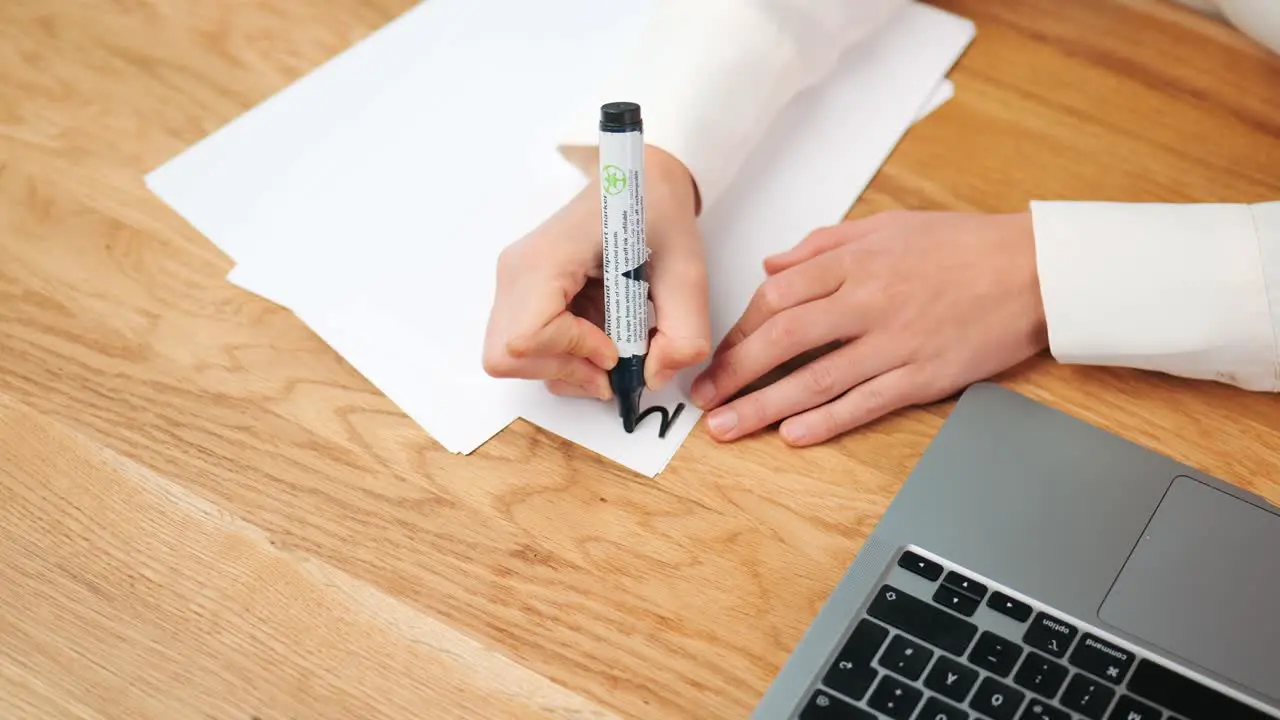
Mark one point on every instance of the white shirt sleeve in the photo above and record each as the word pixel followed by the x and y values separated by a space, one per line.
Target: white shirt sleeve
pixel 1190 290
pixel 711 75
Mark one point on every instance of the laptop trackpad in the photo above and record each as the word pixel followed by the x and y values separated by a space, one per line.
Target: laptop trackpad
pixel 1202 584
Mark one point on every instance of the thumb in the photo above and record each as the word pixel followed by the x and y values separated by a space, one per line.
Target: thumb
pixel 679 290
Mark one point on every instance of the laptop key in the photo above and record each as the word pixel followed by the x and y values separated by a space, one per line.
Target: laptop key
pixel 1037 710
pixel 923 621
pixel 1041 675
pixel 1185 697
pixel 939 709
pixel 1102 659
pixel 906 657
pixel 1009 607
pixel 922 566
pixel 995 654
pixel 1050 635
pixel 1088 696
pixel 851 673
pixel 894 698
pixel 825 706
pixel 966 585
pixel 952 599
pixel 950 679
pixel 1128 708
pixel 996 700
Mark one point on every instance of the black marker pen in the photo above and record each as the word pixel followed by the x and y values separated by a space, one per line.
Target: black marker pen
pixel 626 256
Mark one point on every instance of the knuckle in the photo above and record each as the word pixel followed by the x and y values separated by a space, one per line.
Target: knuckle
pixel 818 236
pixel 690 351
pixel 828 420
pixel 735 336
pixel 773 295
pixel 924 383
pixel 506 255
pixel 876 400
pixel 702 351
pixel 849 259
pixel 820 378
pixel 784 332
pixel 508 259
pixel 834 235
pixel 873 301
pixel 570 372
pixel 497 364
pixel 728 368
pixel 575 341
pixel 566 389
pixel 880 399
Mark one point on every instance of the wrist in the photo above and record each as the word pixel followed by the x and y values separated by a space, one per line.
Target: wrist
pixel 667 174
pixel 1031 273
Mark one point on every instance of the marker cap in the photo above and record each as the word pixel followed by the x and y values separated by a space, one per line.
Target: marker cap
pixel 620 117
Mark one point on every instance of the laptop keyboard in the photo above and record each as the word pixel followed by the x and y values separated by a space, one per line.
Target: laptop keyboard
pixel 935 643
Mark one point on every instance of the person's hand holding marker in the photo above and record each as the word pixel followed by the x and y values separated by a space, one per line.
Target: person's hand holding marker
pixel 547 315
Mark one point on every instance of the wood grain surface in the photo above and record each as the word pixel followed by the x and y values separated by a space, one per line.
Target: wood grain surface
pixel 205 513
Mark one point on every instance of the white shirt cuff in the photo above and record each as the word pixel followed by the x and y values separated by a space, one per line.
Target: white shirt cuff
pixel 1183 289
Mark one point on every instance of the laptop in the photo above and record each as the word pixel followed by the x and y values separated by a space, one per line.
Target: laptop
pixel 1034 567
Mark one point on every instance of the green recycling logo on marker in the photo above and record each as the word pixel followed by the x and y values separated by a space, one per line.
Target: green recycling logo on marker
pixel 614 180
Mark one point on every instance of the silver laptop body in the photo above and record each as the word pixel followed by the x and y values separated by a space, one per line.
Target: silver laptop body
pixel 1034 567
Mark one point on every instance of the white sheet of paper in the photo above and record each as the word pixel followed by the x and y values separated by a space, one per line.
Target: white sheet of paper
pixel 222 181
pixel 401 286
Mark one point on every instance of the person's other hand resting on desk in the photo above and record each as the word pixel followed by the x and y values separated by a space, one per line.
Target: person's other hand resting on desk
pixel 548 309
pixel 920 304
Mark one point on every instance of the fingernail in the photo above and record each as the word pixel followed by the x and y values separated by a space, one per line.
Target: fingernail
pixel 722 422
pixel 703 391
pixel 794 432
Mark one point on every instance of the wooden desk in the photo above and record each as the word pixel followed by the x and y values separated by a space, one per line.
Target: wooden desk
pixel 205 513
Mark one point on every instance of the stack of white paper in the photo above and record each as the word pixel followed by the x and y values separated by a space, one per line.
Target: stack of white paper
pixel 373 196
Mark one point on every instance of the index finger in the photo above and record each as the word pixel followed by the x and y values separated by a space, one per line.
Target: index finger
pixel 783 337
pixel 792 287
